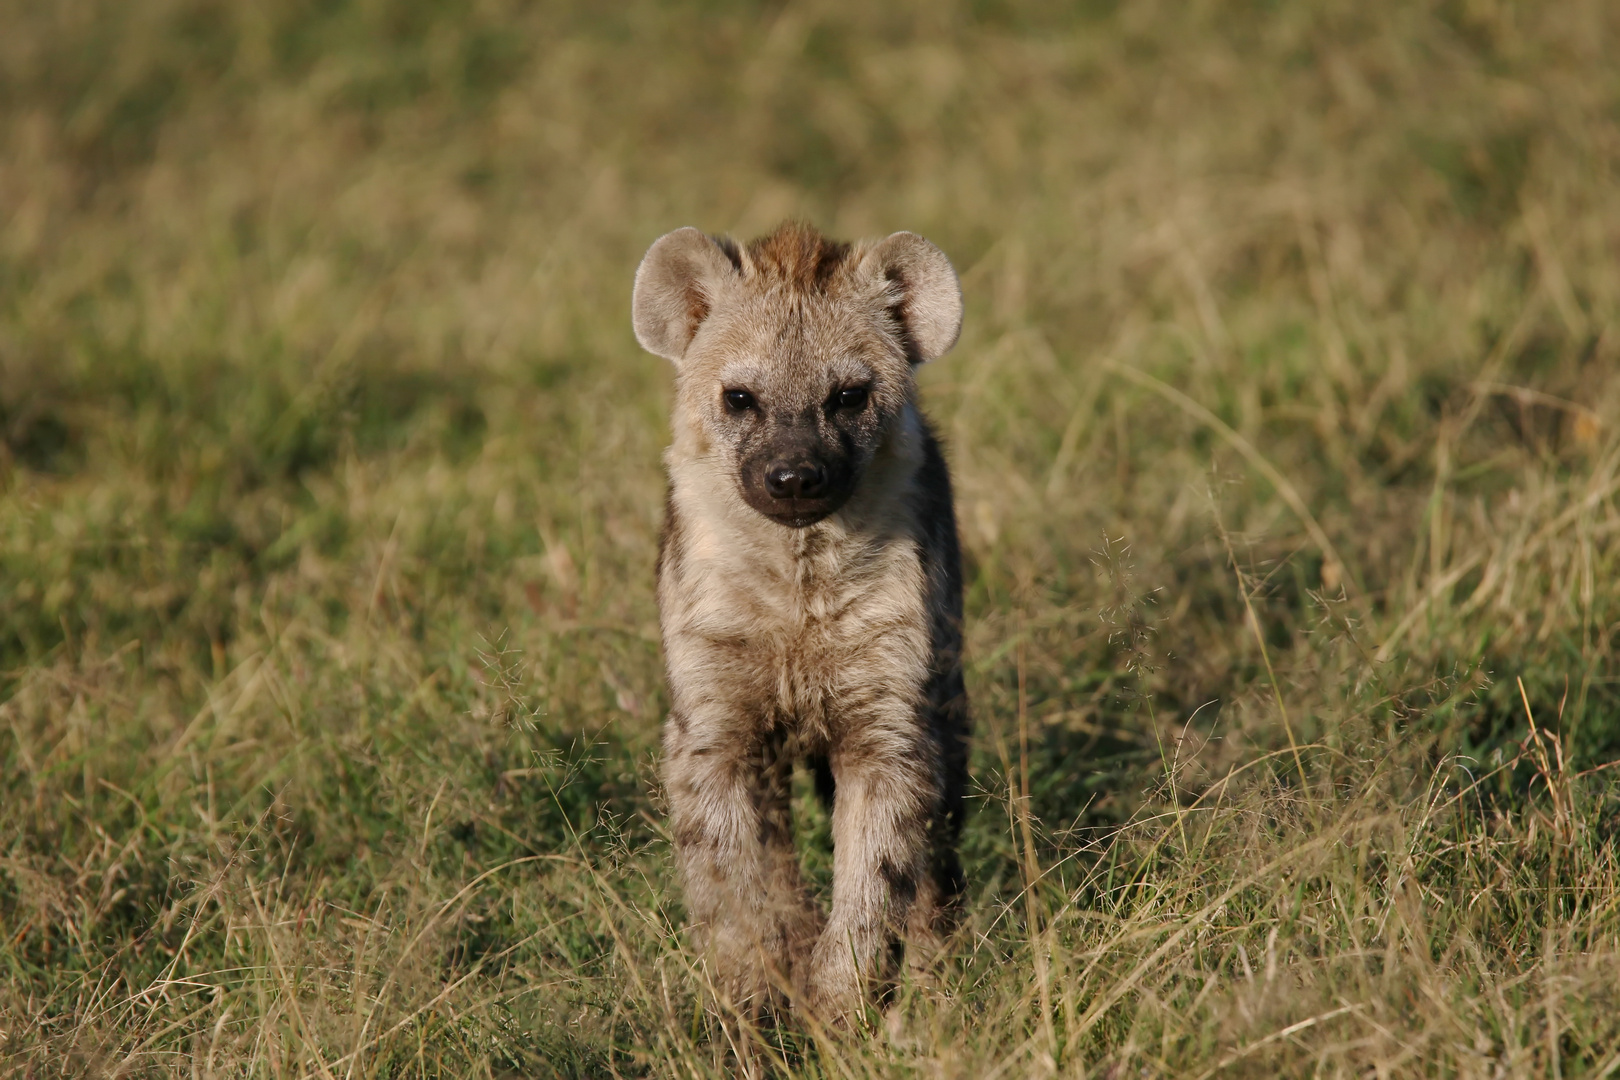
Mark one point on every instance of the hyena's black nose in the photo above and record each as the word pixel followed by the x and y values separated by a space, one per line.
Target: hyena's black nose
pixel 805 480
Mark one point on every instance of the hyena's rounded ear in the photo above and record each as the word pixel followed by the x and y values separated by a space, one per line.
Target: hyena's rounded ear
pixel 923 292
pixel 676 286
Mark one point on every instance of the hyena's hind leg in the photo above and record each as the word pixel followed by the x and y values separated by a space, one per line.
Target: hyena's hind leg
pixel 730 814
pixel 934 915
pixel 790 905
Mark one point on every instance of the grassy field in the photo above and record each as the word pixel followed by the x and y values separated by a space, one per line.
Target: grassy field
pixel 1286 428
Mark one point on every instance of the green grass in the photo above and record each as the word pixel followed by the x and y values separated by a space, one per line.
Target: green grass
pixel 1286 429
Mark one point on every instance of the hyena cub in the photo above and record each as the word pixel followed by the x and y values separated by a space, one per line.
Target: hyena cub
pixel 810 593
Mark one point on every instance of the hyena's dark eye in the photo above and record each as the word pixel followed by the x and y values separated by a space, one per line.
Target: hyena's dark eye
pixel 853 398
pixel 739 401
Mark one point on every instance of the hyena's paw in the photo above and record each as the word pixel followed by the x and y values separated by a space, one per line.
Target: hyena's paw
pixel 745 969
pixel 833 992
pixel 802 935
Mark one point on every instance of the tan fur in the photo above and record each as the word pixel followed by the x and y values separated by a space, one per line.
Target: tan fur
pixel 836 640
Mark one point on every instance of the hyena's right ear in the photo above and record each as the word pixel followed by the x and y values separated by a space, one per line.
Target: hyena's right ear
pixel 676 286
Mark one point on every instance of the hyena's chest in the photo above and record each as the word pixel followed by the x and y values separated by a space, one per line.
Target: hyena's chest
pixel 815 637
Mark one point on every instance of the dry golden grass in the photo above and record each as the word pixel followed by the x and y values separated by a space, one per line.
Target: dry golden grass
pixel 1286 425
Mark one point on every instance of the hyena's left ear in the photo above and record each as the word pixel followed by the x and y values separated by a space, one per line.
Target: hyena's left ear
pixel 923 291
pixel 676 286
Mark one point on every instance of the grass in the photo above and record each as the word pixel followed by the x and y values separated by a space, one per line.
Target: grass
pixel 1286 428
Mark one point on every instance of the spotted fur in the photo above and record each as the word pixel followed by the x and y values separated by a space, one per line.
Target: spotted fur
pixel 823 625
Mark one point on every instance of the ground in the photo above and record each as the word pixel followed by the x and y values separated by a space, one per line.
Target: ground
pixel 1286 429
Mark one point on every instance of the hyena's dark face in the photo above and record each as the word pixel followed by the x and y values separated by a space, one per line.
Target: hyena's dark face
pixel 795 355
pixel 797 405
pixel 796 466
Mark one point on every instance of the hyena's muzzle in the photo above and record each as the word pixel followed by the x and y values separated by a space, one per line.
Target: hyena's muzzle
pixel 796 475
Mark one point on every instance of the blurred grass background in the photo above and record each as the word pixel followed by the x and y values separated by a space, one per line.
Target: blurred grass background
pixel 1284 424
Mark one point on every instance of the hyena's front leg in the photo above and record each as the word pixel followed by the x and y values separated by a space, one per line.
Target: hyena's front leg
pixel 886 797
pixel 729 796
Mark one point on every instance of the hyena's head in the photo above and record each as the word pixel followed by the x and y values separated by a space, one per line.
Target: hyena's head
pixel 794 353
